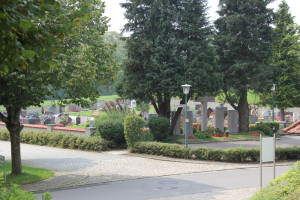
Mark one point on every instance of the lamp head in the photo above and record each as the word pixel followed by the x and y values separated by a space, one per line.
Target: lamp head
pixel 186 88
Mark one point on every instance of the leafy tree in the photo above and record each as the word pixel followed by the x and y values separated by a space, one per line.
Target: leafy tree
pixel 244 46
pixel 29 28
pixel 170 45
pixel 91 63
pixel 286 47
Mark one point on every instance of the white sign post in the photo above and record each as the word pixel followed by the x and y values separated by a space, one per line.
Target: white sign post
pixel 2 160
pixel 267 153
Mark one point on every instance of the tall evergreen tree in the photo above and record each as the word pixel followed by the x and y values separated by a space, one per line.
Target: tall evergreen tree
pixel 170 45
pixel 244 47
pixel 286 47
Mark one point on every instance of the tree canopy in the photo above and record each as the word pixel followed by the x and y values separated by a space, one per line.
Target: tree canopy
pixel 244 39
pixel 76 63
pixel 170 45
pixel 286 47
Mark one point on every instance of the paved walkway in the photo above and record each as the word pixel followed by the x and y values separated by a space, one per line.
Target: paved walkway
pixel 76 168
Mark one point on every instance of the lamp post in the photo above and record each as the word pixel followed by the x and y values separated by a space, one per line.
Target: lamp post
pixel 186 89
pixel 273 90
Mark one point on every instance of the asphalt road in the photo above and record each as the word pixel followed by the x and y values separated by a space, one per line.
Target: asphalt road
pixel 195 185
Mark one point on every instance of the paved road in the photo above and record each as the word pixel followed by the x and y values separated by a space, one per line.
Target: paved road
pixel 75 168
pixel 207 185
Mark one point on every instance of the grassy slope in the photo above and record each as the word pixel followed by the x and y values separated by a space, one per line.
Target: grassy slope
pixel 29 175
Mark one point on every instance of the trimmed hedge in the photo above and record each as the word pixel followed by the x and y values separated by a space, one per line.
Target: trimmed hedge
pixel 110 127
pixel 133 129
pixel 203 153
pixel 159 127
pixel 61 140
pixel 287 186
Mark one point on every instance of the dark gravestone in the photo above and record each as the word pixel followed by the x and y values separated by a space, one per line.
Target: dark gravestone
pixel 197 106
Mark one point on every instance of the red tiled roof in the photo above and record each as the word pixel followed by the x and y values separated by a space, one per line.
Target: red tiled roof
pixel 294 128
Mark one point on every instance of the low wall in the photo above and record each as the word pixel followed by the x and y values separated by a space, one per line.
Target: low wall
pixel 54 128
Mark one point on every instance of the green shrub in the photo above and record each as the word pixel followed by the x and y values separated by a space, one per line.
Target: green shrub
pixel 273 124
pixel 16 194
pixel 239 154
pixel 285 187
pixel 133 126
pixel 159 128
pixel 111 126
pixel 62 140
pixel 213 131
pixel 203 136
pixel 263 127
pixel 4 135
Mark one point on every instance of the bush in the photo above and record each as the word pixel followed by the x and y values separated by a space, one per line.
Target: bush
pixel 203 136
pixel 213 131
pixel 15 193
pixel 263 127
pixel 111 126
pixel 134 132
pixel 287 186
pixel 62 140
pixel 203 153
pixel 159 128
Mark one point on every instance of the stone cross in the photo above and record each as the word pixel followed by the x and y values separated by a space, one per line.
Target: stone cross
pixel 204 101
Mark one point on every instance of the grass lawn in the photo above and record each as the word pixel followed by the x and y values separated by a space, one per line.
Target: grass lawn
pixel 181 139
pixel 75 126
pixel 29 175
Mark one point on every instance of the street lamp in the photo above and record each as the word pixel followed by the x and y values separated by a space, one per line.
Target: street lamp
pixel 273 90
pixel 186 89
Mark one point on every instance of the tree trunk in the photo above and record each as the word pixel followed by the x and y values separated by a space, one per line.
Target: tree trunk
pixel 243 111
pixel 164 109
pixel 282 118
pixel 175 119
pixel 14 127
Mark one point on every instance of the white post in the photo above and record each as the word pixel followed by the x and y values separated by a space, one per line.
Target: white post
pixel 274 155
pixel 260 161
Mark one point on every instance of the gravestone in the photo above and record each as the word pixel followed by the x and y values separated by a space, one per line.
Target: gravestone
pixel 222 108
pixel 197 106
pixel 52 109
pixel 189 123
pixel 266 113
pixel 253 119
pixel 219 120
pixel 204 101
pixel 288 118
pixel 83 119
pixel 267 118
pixel 176 130
pixel 233 121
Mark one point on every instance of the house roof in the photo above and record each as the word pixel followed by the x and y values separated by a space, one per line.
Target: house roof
pixel 293 129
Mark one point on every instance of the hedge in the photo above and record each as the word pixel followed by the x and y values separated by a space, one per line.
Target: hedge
pixel 286 186
pixel 61 140
pixel 203 153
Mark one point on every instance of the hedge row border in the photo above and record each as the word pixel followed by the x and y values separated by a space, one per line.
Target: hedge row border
pixel 62 140
pixel 237 155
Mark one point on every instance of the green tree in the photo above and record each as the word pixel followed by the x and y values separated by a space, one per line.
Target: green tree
pixel 244 46
pixel 170 45
pixel 286 47
pixel 29 28
pixel 22 87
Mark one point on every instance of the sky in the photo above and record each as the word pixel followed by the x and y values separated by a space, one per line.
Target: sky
pixel 114 11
